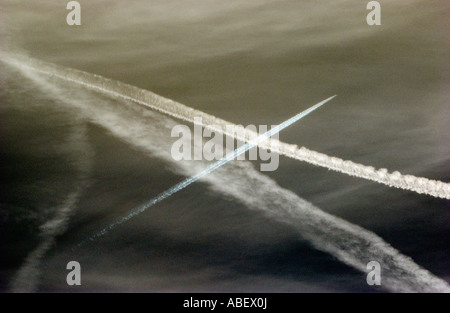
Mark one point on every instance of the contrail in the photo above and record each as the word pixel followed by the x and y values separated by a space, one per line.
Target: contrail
pixel 149 99
pixel 227 158
pixel 347 242
pixel 27 277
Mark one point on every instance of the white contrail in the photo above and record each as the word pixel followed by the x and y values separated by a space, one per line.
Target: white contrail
pixel 349 243
pixel 211 168
pixel 27 277
pixel 395 179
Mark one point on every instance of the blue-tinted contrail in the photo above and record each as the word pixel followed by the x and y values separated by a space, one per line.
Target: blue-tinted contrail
pixel 227 158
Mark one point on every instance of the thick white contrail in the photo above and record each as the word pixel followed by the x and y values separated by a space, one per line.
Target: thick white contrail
pixel 349 243
pixel 149 99
pixel 227 158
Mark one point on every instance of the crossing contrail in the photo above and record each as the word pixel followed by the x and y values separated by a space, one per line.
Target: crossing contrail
pixel 347 242
pixel 227 158
pixel 151 100
pixel 27 277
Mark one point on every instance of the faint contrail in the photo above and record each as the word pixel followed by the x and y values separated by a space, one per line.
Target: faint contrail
pixel 27 277
pixel 349 243
pixel 149 99
pixel 227 158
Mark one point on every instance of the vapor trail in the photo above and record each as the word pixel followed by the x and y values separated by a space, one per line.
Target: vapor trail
pixel 149 99
pixel 227 158
pixel 27 277
pixel 349 243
